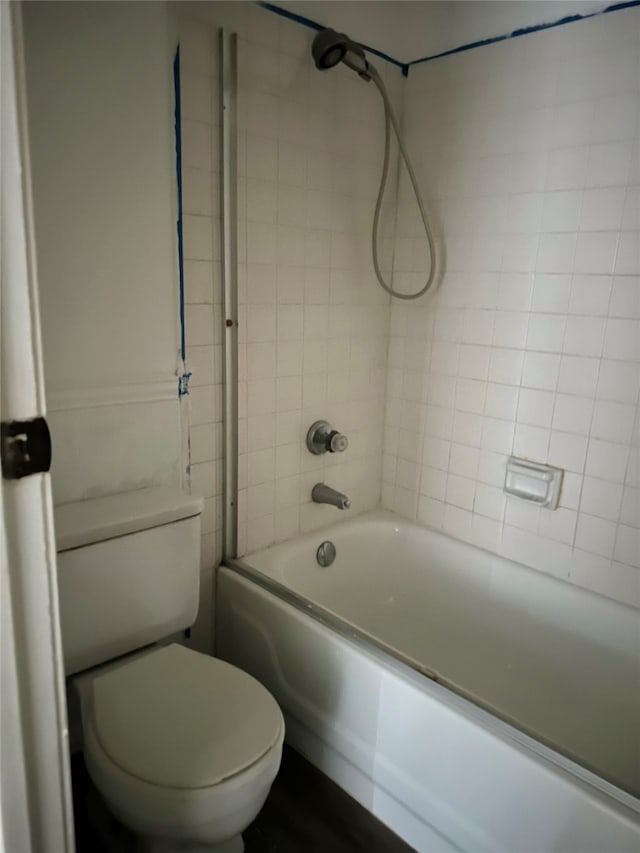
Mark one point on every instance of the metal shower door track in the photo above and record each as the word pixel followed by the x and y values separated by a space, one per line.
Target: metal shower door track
pixel 228 52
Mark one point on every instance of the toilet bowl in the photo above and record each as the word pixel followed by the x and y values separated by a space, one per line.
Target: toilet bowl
pixel 182 747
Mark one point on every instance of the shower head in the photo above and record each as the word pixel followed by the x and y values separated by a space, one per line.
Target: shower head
pixel 329 48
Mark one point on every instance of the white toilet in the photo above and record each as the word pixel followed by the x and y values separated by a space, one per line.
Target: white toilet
pixel 182 747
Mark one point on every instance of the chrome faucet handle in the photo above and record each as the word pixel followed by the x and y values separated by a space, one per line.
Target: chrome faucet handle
pixel 322 438
pixel 338 442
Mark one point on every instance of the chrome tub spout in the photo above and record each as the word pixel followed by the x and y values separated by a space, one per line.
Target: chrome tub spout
pixel 322 494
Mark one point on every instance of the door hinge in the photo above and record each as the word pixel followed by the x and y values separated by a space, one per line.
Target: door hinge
pixel 26 448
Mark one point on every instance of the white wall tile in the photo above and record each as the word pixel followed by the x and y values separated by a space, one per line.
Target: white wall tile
pixel 559 376
pixel 602 209
pixel 559 525
pixel 618 380
pixel 625 297
pixel 505 366
pixel 531 442
pixel 584 336
pixel 535 407
pixel 627 545
pixel 551 293
pixel 561 211
pixel 546 332
pixel 198 281
pixel 197 145
pixel 630 510
pixel 601 498
pixel 628 254
pixel 606 460
pixel 596 252
pixel 595 535
pixel 566 168
pixel 590 295
pixel 613 421
pixel 572 414
pixel 622 340
pixel 567 450
pixel 540 370
pixel 608 164
pixel 200 325
pixel 489 501
pixel 198 238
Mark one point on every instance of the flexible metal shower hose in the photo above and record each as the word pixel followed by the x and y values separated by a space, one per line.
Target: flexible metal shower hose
pixel 389 120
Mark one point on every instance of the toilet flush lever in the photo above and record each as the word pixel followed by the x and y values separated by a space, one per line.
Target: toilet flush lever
pixel 322 438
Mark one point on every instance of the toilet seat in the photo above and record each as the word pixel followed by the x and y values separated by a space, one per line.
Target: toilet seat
pixel 198 815
pixel 178 719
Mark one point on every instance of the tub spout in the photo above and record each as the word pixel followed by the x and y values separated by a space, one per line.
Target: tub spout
pixel 322 494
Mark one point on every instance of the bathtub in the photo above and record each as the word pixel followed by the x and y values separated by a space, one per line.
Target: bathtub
pixel 469 702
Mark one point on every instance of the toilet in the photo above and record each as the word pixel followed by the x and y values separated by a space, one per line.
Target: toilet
pixel 182 747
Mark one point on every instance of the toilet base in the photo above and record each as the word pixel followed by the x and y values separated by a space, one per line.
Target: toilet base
pixel 116 838
pixel 232 845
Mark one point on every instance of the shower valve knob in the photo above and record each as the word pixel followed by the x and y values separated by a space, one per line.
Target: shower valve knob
pixel 337 442
pixel 322 438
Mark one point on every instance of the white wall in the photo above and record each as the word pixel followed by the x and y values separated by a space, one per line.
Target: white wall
pixel 101 132
pixel 528 152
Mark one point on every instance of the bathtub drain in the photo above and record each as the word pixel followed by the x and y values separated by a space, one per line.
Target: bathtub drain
pixel 326 553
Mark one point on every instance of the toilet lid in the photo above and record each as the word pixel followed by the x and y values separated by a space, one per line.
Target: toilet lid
pixel 181 719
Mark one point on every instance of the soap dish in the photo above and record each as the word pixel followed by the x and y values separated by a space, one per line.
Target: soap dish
pixel 533 481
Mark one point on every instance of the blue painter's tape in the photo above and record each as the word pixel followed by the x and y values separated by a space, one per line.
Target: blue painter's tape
pixel 461 49
pixel 525 31
pixel 314 25
pixel 569 19
pixel 617 6
pixel 291 16
pixel 183 384
pixel 178 131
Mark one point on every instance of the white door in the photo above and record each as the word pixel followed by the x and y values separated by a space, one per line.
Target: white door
pixel 36 813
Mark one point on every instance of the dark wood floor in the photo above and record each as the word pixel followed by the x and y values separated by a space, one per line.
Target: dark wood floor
pixel 304 813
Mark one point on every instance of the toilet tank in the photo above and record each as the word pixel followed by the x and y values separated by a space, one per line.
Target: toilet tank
pixel 128 572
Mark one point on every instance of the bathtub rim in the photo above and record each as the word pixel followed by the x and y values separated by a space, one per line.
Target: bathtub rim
pixel 380 513
pixel 443 690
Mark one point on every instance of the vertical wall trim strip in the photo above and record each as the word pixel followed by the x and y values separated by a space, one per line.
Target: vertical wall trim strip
pixel 227 43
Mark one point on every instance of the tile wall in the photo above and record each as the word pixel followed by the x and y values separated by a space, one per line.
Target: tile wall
pixel 528 153
pixel 313 322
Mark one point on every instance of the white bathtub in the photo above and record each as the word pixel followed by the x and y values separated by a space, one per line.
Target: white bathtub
pixel 524 737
